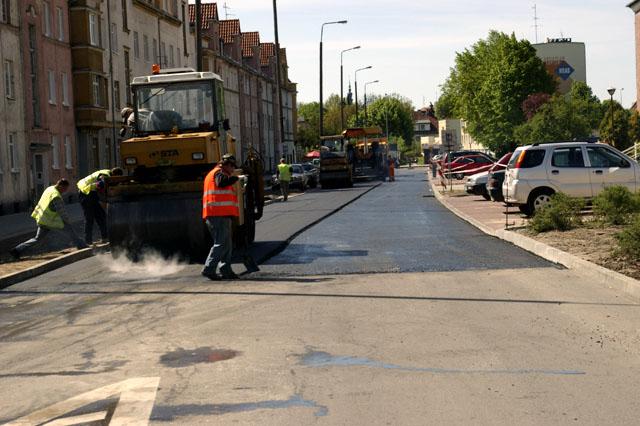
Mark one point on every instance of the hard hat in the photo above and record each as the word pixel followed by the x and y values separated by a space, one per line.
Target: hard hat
pixel 228 159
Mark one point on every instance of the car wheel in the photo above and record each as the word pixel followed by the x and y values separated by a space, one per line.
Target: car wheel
pixel 524 209
pixel 459 176
pixel 539 199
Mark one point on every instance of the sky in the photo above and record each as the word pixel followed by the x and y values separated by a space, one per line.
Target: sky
pixel 411 45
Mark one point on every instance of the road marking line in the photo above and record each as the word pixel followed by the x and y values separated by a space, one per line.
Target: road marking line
pixel 137 397
pixel 85 418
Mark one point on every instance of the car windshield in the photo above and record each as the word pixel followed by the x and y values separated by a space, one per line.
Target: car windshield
pixel 296 169
pixel 185 106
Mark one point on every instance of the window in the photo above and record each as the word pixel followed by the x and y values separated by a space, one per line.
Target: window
pixel 184 30
pixel 5 11
pixel 567 157
pixel 145 47
pixel 68 161
pixel 9 83
pixel 163 54
pixel 46 17
pixel 527 159
pixel 33 56
pixel 125 20
pixel 114 37
pixel 65 90
pixel 60 19
pixel 179 59
pixel 13 152
pixel 171 57
pixel 55 150
pixel 155 52
pixel 52 87
pixel 97 91
pixel 116 94
pixel 136 45
pixel 127 76
pixel 94 38
pixel 603 157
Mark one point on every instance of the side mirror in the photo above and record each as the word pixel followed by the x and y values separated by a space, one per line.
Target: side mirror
pixel 225 124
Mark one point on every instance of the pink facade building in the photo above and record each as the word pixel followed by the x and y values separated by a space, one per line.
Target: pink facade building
pixel 48 92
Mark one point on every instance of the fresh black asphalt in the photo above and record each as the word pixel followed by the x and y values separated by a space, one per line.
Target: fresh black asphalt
pixel 397 227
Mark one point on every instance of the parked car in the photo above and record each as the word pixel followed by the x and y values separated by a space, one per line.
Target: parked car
pixel 313 174
pixel 477 184
pixel 467 165
pixel 578 169
pixel 451 156
pixel 299 179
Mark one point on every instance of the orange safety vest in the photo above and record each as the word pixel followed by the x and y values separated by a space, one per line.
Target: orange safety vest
pixel 218 201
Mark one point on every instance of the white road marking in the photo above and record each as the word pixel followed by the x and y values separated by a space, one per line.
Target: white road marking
pixel 137 397
pixel 85 418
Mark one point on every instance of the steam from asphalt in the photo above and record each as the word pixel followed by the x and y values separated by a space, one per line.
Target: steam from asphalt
pixel 149 265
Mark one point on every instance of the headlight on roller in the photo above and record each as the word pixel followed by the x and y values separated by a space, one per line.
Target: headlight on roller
pixel 131 161
pixel 197 156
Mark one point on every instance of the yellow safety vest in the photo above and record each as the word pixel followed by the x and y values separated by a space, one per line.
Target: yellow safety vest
pixel 88 184
pixel 43 214
pixel 285 172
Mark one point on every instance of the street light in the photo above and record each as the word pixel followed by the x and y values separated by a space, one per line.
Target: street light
pixel 612 91
pixel 356 86
pixel 342 87
pixel 366 118
pixel 321 102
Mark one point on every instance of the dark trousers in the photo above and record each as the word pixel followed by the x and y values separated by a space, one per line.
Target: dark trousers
pixel 93 212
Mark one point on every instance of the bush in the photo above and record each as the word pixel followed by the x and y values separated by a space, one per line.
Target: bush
pixel 562 214
pixel 616 205
pixel 629 240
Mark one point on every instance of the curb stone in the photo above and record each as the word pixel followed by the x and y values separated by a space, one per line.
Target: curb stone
pixel 67 259
pixel 604 276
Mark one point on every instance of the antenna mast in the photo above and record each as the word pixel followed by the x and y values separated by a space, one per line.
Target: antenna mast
pixel 535 20
pixel 226 11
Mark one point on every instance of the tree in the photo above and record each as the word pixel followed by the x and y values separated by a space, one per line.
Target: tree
pixel 634 127
pixel 562 118
pixel 399 112
pixel 488 85
pixel 308 129
pixel 618 136
pixel 533 103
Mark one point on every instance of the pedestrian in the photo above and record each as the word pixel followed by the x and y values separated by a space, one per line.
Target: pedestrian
pixel 392 169
pixel 283 173
pixel 88 192
pixel 50 214
pixel 220 206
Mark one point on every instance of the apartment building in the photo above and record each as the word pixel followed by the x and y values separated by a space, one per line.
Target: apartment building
pixel 14 170
pixel 113 42
pixel 48 93
pixel 248 69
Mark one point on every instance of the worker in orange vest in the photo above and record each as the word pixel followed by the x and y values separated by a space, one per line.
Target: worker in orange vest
pixel 219 207
pixel 392 169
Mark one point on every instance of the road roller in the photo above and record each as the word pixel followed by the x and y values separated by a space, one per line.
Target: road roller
pixel 178 134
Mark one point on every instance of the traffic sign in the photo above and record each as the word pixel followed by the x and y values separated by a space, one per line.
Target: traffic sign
pixel 564 70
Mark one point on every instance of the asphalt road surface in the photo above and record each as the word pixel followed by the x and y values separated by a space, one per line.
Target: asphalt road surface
pixel 487 335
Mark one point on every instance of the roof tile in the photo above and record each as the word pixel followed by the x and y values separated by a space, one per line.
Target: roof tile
pixel 249 41
pixel 209 11
pixel 228 29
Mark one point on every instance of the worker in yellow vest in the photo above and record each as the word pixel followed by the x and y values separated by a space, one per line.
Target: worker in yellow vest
pixel 283 173
pixel 88 189
pixel 50 214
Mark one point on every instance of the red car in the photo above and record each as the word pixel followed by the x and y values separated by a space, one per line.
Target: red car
pixel 467 165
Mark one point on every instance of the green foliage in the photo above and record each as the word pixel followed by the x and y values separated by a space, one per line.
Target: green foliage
pixel 488 85
pixel 618 136
pixel 398 111
pixel 308 128
pixel 616 205
pixel 629 240
pixel 562 214
pixel 634 127
pixel 586 104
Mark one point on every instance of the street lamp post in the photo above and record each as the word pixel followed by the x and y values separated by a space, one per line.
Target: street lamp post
pixel 342 87
pixel 612 91
pixel 366 117
pixel 321 102
pixel 356 87
pixel 280 143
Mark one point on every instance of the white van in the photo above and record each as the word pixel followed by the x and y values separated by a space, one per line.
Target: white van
pixel 578 169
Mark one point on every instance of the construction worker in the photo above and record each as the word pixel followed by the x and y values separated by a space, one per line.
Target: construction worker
pixel 88 189
pixel 50 214
pixel 283 173
pixel 220 206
